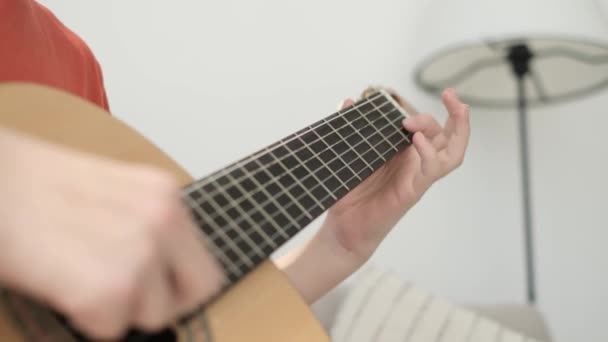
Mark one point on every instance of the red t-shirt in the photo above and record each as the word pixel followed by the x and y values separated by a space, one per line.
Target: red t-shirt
pixel 36 47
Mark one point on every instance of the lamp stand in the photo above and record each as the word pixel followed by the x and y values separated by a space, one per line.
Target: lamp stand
pixel 519 57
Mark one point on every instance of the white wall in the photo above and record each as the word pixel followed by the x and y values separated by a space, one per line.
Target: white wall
pixel 212 81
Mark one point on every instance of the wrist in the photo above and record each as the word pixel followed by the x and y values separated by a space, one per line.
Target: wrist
pixel 332 240
pixel 320 264
pixel 355 241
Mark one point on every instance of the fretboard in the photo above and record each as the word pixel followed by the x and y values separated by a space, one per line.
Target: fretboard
pixel 252 207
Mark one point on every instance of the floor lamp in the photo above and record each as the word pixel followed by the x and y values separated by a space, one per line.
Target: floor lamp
pixel 523 54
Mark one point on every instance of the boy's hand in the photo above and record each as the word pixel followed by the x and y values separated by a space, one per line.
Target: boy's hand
pixel 361 219
pixel 356 225
pixel 108 244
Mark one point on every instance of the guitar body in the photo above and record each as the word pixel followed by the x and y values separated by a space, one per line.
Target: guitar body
pixel 261 307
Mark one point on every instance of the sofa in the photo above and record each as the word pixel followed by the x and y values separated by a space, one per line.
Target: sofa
pixel 519 317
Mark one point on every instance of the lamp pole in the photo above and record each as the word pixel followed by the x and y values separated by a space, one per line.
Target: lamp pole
pixel 519 56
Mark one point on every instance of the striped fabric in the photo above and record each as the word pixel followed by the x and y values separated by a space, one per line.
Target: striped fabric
pixel 381 307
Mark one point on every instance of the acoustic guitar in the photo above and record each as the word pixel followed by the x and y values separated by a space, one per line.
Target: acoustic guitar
pixel 246 210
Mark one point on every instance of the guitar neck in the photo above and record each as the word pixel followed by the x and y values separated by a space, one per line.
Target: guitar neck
pixel 252 207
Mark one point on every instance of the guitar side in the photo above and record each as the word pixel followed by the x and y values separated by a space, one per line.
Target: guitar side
pixel 263 306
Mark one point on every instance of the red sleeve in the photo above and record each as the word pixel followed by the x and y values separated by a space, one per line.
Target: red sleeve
pixel 101 95
pixel 76 68
pixel 42 50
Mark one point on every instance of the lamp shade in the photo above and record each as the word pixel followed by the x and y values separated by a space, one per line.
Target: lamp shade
pixel 465 45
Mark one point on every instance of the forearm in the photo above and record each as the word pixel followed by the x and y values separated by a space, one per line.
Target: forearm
pixel 7 141
pixel 319 265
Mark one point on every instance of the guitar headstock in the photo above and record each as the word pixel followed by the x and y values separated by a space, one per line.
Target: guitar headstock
pixel 400 102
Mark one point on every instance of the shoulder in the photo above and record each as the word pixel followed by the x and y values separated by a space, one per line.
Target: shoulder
pixel 59 31
pixel 80 53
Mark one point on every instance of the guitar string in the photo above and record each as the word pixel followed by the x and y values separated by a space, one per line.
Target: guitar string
pixel 239 263
pixel 198 186
pixel 340 114
pixel 265 167
pixel 248 255
pixel 278 228
pixel 309 129
pixel 274 179
pixel 213 237
pixel 262 188
pixel 296 136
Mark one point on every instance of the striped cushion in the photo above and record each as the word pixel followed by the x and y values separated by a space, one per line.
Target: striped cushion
pixel 381 307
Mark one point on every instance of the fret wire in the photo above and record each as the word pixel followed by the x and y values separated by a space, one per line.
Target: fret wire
pixel 305 145
pixel 225 259
pixel 218 209
pixel 323 162
pixel 377 159
pixel 365 138
pixel 310 174
pixel 344 161
pixel 297 181
pixel 314 175
pixel 382 114
pixel 360 155
pixel 385 115
pixel 326 197
pixel 274 223
pixel 247 215
pixel 280 207
pixel 402 112
pixel 274 180
pixel 289 139
pixel 320 182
